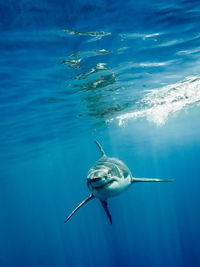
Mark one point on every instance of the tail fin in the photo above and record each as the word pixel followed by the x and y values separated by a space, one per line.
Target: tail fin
pixel 80 205
pixel 135 180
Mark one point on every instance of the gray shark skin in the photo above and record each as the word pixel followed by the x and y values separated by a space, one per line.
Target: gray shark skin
pixel 109 177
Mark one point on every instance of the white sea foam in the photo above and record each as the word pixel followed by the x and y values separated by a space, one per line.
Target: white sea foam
pixel 158 104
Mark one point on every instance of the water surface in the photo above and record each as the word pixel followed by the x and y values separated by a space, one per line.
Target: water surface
pixel 128 75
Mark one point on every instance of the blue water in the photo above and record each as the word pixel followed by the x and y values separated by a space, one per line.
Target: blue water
pixel 127 74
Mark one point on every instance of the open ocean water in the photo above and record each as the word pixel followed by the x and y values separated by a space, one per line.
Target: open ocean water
pixel 126 73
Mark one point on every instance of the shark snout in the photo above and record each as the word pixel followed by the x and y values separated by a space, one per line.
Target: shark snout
pixel 96 182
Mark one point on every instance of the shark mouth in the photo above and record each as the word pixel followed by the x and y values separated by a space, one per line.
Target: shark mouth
pixel 98 183
pixel 102 186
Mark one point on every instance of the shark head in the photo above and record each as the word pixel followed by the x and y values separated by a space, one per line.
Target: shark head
pixel 105 179
pixel 100 178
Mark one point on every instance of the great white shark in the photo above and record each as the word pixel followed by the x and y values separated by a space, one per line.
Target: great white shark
pixel 109 177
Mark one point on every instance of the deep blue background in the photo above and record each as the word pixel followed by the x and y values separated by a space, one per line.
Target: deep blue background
pixel 50 117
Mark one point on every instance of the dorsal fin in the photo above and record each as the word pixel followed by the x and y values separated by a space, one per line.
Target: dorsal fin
pixel 100 147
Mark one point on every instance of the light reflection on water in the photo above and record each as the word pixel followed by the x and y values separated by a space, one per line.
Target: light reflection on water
pixel 84 76
pixel 110 90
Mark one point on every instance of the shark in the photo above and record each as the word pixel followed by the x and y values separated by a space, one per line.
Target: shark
pixel 109 177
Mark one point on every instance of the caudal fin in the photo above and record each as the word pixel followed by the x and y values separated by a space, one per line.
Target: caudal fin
pixel 136 180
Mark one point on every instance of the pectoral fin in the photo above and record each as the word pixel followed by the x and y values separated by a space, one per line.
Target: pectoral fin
pixel 80 205
pixel 105 206
pixel 135 180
